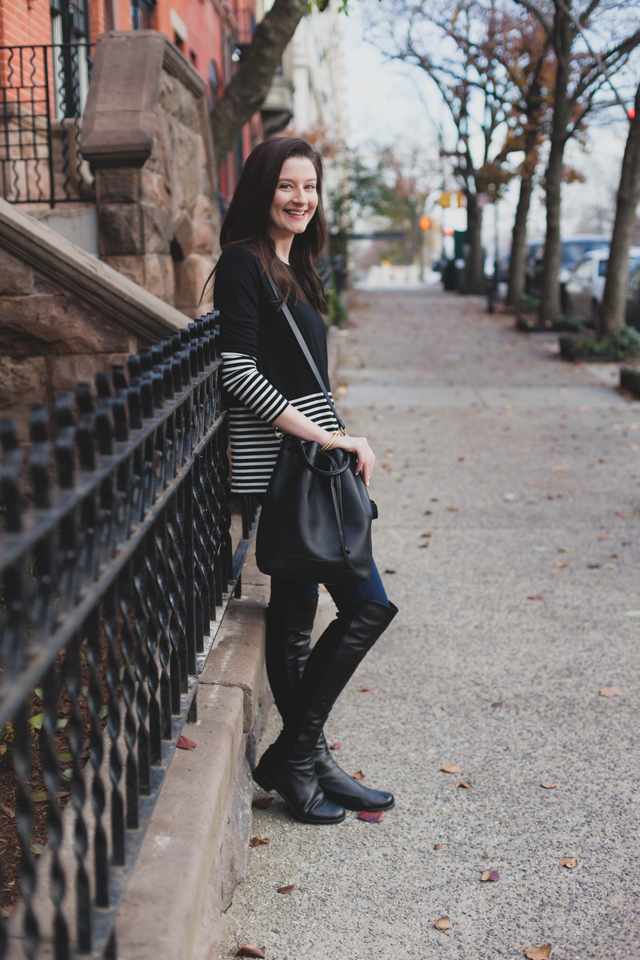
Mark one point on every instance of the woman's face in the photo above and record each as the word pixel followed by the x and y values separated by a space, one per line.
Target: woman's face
pixel 296 198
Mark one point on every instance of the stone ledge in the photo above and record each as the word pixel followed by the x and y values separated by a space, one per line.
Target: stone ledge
pixel 195 849
pixel 238 659
pixel 160 913
pixel 114 296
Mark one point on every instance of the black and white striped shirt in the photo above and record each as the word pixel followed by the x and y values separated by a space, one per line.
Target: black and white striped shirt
pixel 263 367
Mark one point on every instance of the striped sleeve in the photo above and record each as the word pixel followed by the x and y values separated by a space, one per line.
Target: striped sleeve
pixel 241 377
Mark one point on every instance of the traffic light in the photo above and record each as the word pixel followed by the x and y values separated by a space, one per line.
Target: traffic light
pixel 425 223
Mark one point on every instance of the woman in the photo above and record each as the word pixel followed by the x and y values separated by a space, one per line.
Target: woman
pixel 274 229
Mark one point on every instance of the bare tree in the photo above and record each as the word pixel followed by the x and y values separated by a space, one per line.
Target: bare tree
pixel 612 315
pixel 580 75
pixel 458 56
pixel 250 84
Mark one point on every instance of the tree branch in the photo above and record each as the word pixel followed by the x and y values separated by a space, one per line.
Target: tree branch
pixel 251 82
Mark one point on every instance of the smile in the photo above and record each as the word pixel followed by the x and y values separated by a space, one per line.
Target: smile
pixel 296 213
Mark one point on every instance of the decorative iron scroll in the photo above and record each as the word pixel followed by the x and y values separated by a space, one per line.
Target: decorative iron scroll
pixel 111 584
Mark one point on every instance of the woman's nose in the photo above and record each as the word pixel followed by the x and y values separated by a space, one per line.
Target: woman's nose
pixel 299 196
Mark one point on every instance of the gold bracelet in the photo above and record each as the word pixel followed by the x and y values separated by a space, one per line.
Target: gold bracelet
pixel 331 442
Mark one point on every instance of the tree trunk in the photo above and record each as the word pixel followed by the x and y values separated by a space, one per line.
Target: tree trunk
pixel 563 41
pixel 614 300
pixel 517 263
pixel 474 272
pixel 250 84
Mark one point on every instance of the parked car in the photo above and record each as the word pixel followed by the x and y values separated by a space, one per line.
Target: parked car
pixel 573 249
pixel 585 287
pixel 530 259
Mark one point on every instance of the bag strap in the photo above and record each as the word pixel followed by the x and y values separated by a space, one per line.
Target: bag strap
pixel 305 349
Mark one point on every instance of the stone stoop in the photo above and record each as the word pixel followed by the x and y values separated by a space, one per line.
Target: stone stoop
pixel 195 850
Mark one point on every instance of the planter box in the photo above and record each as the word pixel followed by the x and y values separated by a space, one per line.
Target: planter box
pixel 630 380
pixel 572 348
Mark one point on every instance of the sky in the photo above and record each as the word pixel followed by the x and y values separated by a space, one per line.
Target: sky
pixel 390 102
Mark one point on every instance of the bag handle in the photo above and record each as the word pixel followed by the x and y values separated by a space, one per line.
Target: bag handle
pixel 317 470
pixel 305 349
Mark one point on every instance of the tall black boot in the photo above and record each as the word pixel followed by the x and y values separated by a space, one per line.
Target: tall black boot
pixel 329 668
pixel 288 638
pixel 338 786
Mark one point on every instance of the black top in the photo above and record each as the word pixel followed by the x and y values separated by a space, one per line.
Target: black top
pixel 251 324
pixel 264 369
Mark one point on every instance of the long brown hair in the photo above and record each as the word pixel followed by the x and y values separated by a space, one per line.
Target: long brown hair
pixel 247 220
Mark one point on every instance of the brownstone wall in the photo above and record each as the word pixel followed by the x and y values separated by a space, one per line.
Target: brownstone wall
pixel 49 340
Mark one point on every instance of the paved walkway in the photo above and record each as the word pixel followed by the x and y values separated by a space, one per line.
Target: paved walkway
pixel 509 496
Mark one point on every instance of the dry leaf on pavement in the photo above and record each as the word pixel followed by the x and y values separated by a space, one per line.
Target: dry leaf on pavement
pixel 437 846
pixel 256 841
pixel 371 816
pixel 549 786
pixel 365 689
pixel 496 703
pixel 490 875
pixel 335 746
pixel 538 953
pixel 184 743
pixel 285 890
pixel 452 509
pixel 389 570
pixel 560 564
pixel 443 923
pixel 464 783
pixel 569 862
pixel 358 775
pixel 250 950
pixel 262 802
pixel 610 692
pixel 451 768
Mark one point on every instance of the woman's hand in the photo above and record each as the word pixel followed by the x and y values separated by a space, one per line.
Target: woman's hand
pixel 359 446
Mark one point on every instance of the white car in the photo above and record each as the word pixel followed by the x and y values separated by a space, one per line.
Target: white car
pixel 585 286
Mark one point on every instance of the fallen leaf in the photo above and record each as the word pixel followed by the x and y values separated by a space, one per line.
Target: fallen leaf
pixel 538 953
pixel 443 923
pixel 285 890
pixel 371 816
pixel 509 496
pixel 257 841
pixel 541 549
pixel 620 513
pixel 427 534
pixel 428 513
pixel 490 875
pixel 437 846
pixel 608 566
pixel 536 596
pixel 496 703
pixel 8 812
pixel 607 537
pixel 365 689
pixel 250 950
pixel 594 566
pixel 616 556
pixel 560 563
pixel 358 775
pixel 390 570
pixel 569 862
pixel 549 786
pixel 610 692
pixel 567 550
pixel 464 783
pixel 423 546
pixel 451 768
pixel 184 743
pixel 452 509
pixel 559 469
pixel 335 746
pixel 632 613
pixel 262 802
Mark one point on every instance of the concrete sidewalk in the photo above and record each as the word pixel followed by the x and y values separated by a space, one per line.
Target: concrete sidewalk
pixel 509 533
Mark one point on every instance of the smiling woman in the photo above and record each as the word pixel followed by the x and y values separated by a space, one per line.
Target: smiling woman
pixel 272 233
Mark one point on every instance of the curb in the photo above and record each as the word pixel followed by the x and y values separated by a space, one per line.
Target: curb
pixel 195 849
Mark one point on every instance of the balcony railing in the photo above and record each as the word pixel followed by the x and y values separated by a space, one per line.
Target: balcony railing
pixel 43 91
pixel 112 587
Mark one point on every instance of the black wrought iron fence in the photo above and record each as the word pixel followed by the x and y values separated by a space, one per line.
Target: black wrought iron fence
pixel 43 90
pixel 112 583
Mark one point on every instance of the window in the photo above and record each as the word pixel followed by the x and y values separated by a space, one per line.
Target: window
pixel 214 85
pixel 142 14
pixel 69 36
pixel 602 268
pixel 583 270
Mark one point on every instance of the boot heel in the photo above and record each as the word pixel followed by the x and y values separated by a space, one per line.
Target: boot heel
pixel 262 781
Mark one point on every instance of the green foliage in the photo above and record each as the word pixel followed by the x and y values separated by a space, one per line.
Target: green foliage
pixel 625 345
pixel 337 313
